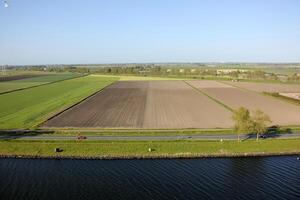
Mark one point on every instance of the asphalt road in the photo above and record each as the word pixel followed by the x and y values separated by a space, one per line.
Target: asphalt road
pixel 143 138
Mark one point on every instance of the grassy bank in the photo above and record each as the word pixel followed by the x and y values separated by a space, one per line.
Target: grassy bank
pixel 140 149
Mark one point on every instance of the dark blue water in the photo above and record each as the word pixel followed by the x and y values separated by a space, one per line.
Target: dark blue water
pixel 236 178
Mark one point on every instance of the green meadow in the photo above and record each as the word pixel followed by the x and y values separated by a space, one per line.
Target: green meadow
pixel 137 149
pixel 30 107
pixel 8 86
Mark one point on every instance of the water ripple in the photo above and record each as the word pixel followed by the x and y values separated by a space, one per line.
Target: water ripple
pixel 236 178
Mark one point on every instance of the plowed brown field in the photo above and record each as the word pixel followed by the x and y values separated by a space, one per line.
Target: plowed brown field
pixel 119 105
pixel 146 104
pixel 267 87
pixel 174 104
pixel 281 112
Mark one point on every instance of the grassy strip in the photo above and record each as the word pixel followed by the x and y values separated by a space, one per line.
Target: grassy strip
pixel 140 133
pixel 283 98
pixel 131 77
pixel 135 149
pixel 113 132
pixel 215 100
pixel 30 107
pixel 134 132
pixel 138 78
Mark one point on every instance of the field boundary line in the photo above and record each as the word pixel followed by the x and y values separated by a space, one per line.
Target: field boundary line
pixel 283 98
pixel 215 100
pixel 240 88
pixel 73 105
pixel 34 86
pixel 265 94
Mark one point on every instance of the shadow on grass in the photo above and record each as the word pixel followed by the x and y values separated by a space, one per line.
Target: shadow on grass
pixel 272 132
pixel 16 134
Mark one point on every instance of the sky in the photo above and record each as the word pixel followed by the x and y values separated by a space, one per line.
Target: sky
pixel 137 31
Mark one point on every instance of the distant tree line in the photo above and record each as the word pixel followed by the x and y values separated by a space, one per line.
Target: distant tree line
pixel 53 68
pixel 193 70
pixel 294 78
pixel 196 72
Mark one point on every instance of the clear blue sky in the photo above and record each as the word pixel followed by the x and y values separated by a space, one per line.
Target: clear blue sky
pixel 119 31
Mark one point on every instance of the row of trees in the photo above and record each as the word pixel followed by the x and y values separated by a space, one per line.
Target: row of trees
pixel 156 70
pixel 245 123
pixel 195 71
pixel 295 77
pixel 54 68
pixel 149 70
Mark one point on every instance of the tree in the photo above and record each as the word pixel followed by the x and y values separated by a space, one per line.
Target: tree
pixel 259 122
pixel 242 121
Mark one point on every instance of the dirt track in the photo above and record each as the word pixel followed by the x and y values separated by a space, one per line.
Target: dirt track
pixel 281 112
pixel 146 104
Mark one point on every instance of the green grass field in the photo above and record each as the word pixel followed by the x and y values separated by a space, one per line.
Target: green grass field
pixel 163 77
pixel 138 78
pixel 15 72
pixel 140 148
pixel 30 107
pixel 29 82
